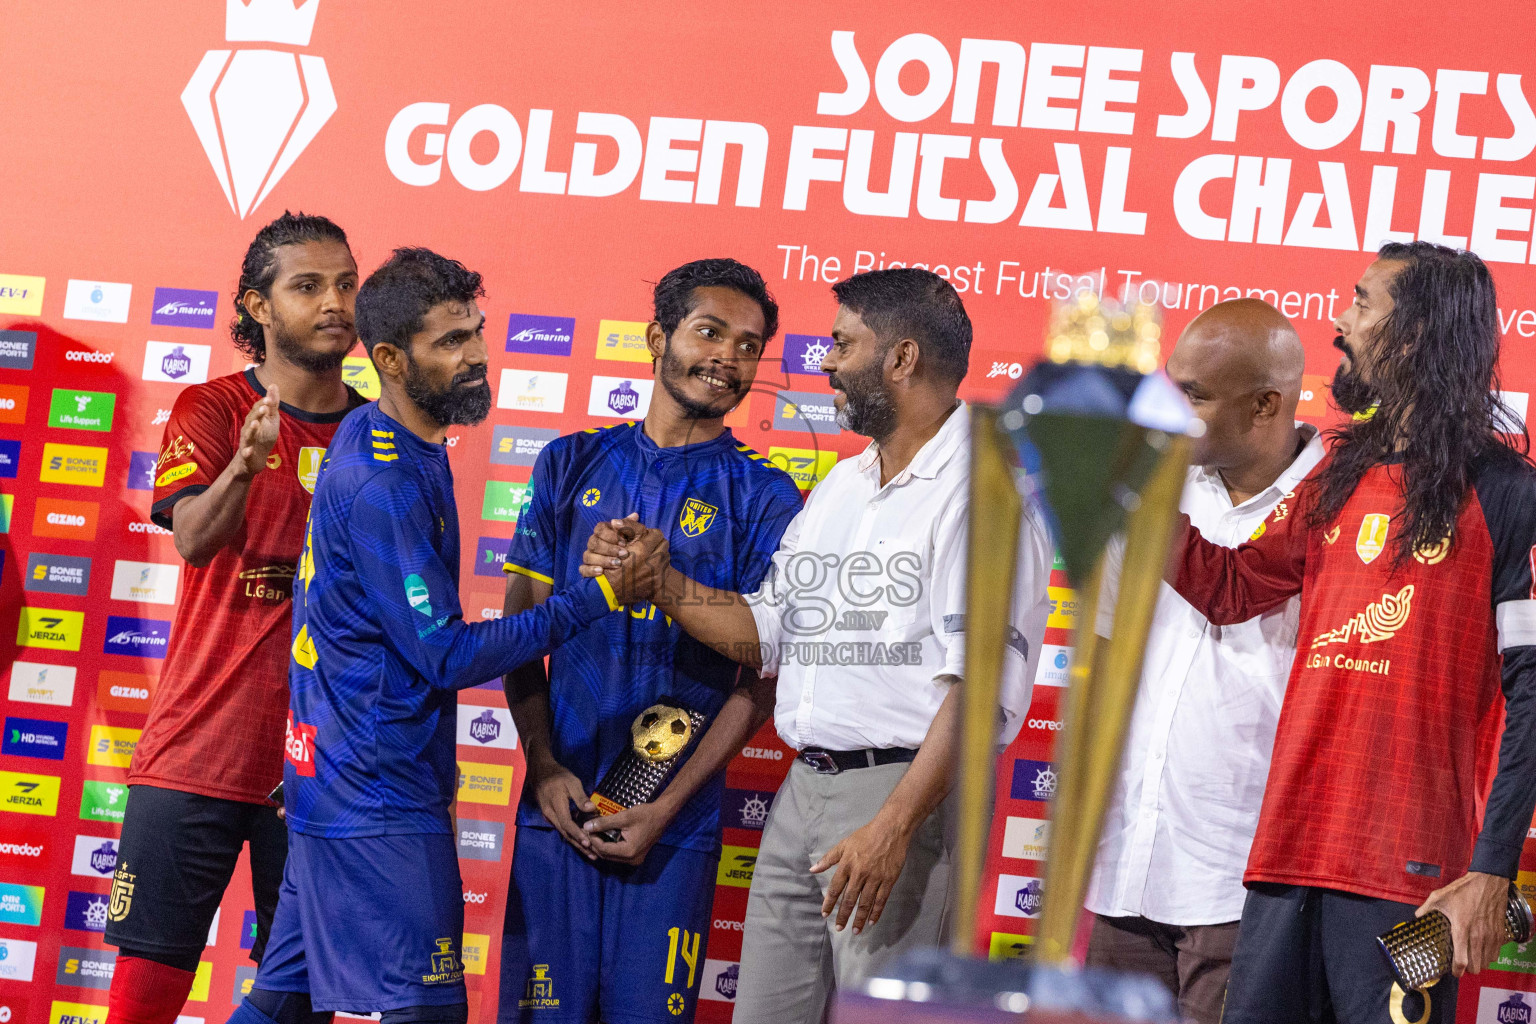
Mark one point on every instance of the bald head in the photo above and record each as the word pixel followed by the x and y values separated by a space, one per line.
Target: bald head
pixel 1240 364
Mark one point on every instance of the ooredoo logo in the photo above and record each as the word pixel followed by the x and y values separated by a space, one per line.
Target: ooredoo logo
pixel 255 111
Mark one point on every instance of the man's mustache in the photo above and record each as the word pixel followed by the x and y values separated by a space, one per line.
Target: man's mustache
pixel 1343 346
pixel 473 376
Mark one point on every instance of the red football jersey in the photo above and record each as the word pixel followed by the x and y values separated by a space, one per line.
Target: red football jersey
pixel 216 724
pixel 1385 742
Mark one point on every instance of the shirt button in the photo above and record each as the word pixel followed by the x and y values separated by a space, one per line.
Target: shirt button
pixel 1194 634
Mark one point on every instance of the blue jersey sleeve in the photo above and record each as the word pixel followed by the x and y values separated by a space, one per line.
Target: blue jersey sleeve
pixel 416 595
pixel 780 504
pixel 533 544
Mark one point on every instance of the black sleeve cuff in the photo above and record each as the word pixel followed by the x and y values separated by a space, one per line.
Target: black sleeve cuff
pixel 1493 857
pixel 160 511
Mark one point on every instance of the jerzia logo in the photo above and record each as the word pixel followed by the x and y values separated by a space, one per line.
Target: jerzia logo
pixel 256 110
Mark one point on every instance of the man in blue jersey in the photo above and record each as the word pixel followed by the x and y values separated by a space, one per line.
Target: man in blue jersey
pixel 370 913
pixel 615 930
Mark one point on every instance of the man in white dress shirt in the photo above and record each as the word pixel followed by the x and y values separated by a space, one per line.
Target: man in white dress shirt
pixel 863 621
pixel 1167 889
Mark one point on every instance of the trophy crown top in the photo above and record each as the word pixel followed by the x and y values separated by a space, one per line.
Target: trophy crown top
pixel 1094 330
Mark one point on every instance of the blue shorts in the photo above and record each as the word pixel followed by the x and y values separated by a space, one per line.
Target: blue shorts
pixel 604 941
pixel 368 924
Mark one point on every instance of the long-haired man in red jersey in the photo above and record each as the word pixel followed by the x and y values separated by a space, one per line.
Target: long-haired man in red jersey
pixel 236 470
pixel 1411 546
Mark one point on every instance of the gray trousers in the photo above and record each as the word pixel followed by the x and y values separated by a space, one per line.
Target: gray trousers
pixel 792 958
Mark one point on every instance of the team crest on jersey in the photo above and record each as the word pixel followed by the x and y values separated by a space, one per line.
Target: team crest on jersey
pixel 591 497
pixel 1372 539
pixel 696 517
pixel 309 467
pixel 122 893
pixel 1434 554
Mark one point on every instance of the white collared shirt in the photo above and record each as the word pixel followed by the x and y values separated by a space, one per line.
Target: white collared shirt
pixel 863 613
pixel 1182 816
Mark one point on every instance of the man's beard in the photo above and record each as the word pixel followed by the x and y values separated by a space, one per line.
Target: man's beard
pixel 672 373
pixel 290 348
pixel 1351 392
pixel 459 402
pixel 867 406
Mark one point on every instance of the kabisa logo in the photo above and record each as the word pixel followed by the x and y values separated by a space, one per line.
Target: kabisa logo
pixel 137 638
pixel 624 399
pixel 485 728
pixel 725 981
pixel 104 858
pixel 1515 1010
pixel 181 307
pixel 1019 896
pixel 1028 898
pixel 417 594
pixel 175 364
pixel 258 121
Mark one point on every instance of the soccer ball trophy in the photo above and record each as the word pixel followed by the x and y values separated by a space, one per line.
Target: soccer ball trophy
pixel 1099 437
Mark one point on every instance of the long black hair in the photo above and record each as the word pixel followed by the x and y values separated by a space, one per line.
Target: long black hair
pixel 259 270
pixel 1435 374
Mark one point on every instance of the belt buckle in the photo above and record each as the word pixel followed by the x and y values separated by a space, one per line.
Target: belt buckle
pixel 820 762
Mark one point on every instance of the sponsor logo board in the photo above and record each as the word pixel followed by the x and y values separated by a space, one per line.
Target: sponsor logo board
pixel 184 307
pixel 540 335
pixel 622 397
pixel 486 727
pixel 37 683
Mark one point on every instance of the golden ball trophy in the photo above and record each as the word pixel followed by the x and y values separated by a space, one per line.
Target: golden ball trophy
pixel 1099 437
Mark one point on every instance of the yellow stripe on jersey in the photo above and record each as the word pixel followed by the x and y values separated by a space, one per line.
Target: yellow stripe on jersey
pixel 523 570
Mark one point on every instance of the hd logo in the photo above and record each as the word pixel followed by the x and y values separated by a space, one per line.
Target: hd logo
pixel 258 91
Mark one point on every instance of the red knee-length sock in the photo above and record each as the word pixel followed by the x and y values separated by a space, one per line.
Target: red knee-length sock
pixel 146 992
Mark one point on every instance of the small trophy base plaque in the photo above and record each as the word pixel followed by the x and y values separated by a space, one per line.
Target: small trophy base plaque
pixel 663 735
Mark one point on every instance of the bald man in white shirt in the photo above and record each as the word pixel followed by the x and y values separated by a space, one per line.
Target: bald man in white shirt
pixel 863 621
pixel 1167 889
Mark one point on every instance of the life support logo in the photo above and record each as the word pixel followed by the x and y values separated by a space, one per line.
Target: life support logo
pixel 299 747
pixel 256 110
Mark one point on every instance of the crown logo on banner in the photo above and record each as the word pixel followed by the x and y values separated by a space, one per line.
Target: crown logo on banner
pixel 256 110
pixel 270 21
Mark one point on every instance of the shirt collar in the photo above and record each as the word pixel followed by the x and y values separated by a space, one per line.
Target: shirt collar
pixel 404 437
pixel 935 452
pixel 1293 474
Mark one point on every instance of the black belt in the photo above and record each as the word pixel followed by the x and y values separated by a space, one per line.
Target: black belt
pixel 831 762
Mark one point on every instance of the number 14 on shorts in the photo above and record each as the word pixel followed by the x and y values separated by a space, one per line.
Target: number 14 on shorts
pixel 679 943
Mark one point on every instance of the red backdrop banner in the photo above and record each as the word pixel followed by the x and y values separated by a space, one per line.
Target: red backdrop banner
pixel 573 155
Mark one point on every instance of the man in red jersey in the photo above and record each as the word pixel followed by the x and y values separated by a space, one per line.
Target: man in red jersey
pixel 1412 547
pixel 236 470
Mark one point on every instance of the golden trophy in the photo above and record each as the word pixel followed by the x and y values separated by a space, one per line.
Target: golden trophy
pixel 1099 438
